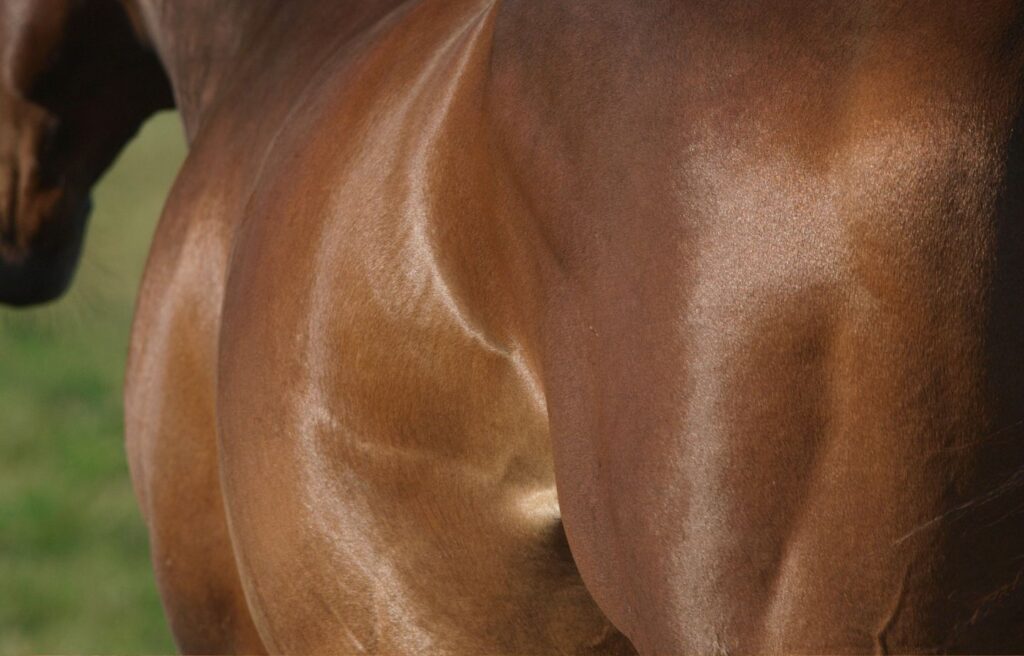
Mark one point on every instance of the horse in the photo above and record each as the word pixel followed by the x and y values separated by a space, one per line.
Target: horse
pixel 502 326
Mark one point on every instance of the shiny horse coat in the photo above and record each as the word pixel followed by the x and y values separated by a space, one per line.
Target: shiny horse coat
pixel 742 279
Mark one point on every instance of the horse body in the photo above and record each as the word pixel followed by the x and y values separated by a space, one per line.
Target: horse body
pixel 780 352
pixel 742 278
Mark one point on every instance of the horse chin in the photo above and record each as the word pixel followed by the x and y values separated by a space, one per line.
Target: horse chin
pixel 43 275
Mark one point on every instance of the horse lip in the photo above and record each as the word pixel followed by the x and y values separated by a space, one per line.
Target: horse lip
pixel 33 281
pixel 10 254
pixel 40 276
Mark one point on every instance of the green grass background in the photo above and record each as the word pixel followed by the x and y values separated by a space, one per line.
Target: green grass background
pixel 74 566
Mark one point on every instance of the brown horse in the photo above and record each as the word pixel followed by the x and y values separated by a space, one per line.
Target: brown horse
pixel 744 278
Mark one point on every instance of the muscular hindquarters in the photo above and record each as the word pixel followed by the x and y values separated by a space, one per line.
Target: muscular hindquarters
pixel 171 439
pixel 383 446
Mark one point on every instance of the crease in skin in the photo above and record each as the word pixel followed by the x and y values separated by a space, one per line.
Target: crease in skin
pixel 540 505
pixel 320 425
pixel 421 258
pixel 353 638
pixel 250 586
pixel 324 422
pixel 317 426
pixel 322 484
pixel 530 380
pixel 882 632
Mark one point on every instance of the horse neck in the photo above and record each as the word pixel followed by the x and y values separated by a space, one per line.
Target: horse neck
pixel 206 47
pixel 199 43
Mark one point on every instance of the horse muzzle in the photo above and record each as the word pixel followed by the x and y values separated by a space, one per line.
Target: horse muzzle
pixel 42 273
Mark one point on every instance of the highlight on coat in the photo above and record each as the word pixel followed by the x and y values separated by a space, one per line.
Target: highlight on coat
pixel 502 326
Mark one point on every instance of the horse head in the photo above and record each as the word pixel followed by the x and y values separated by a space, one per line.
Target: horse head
pixel 77 80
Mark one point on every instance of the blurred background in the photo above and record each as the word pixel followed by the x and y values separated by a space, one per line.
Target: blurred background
pixel 74 565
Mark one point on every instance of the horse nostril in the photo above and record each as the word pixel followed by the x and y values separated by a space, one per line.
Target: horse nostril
pixel 9 219
pixel 9 205
pixel 6 228
pixel 9 253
